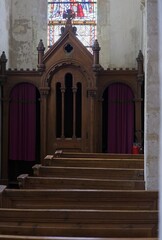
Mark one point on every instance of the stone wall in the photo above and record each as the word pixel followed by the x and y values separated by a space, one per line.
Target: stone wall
pixel 120 28
pixel 28 24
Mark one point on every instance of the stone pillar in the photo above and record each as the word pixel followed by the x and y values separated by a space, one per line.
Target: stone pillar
pixel 160 155
pixel 0 128
pixel 152 104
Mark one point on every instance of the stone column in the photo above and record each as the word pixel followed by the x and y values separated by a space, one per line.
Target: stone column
pixel 160 155
pixel 0 128
pixel 152 104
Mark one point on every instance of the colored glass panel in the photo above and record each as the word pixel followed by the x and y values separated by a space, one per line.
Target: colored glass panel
pixel 85 19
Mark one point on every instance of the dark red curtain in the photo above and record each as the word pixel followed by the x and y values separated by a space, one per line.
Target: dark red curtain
pixel 120 119
pixel 22 123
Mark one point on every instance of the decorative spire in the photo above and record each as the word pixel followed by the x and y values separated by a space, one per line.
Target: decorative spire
pixel 41 46
pixel 40 50
pixel 140 57
pixel 68 15
pixel 96 48
pixel 140 60
pixel 3 61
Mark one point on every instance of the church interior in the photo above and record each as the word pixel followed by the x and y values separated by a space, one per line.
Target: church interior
pixel 79 120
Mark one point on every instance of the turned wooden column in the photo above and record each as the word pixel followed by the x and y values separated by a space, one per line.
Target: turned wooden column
pixel 44 91
pixel 63 111
pixel 139 99
pixel 92 93
pixel 74 90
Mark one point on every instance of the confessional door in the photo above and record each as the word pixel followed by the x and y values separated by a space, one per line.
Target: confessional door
pixel 67 112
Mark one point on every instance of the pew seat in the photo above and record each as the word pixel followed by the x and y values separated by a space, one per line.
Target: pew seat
pixel 64 154
pixel 25 181
pixel 82 223
pixel 79 199
pixel 15 237
pixel 87 172
pixel 51 160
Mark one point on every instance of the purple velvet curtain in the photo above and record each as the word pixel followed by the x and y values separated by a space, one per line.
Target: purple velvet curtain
pixel 22 123
pixel 120 119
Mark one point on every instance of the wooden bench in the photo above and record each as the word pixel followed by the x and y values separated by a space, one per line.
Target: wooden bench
pixel 79 199
pixel 15 237
pixel 97 155
pixel 78 202
pixel 86 172
pixel 50 160
pixel 26 181
pixel 82 223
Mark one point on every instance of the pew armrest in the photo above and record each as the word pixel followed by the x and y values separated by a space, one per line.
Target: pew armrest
pixel 21 180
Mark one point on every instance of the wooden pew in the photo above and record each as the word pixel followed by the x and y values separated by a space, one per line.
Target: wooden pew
pixel 86 172
pixel 79 199
pixel 64 154
pixel 95 212
pixel 51 160
pixel 15 237
pixel 83 223
pixel 25 181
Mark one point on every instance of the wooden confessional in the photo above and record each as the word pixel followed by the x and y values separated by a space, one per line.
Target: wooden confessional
pixel 71 98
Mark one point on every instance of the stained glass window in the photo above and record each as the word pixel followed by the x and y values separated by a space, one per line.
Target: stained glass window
pixel 85 19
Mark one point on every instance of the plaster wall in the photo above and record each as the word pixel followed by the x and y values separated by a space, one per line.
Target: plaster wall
pixel 152 103
pixel 4 26
pixel 120 28
pixel 28 20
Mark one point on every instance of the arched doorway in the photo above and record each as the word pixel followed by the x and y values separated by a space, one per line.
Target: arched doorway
pixel 24 130
pixel 118 119
pixel 67 111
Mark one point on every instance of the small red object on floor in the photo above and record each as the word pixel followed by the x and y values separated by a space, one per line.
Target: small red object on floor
pixel 135 149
